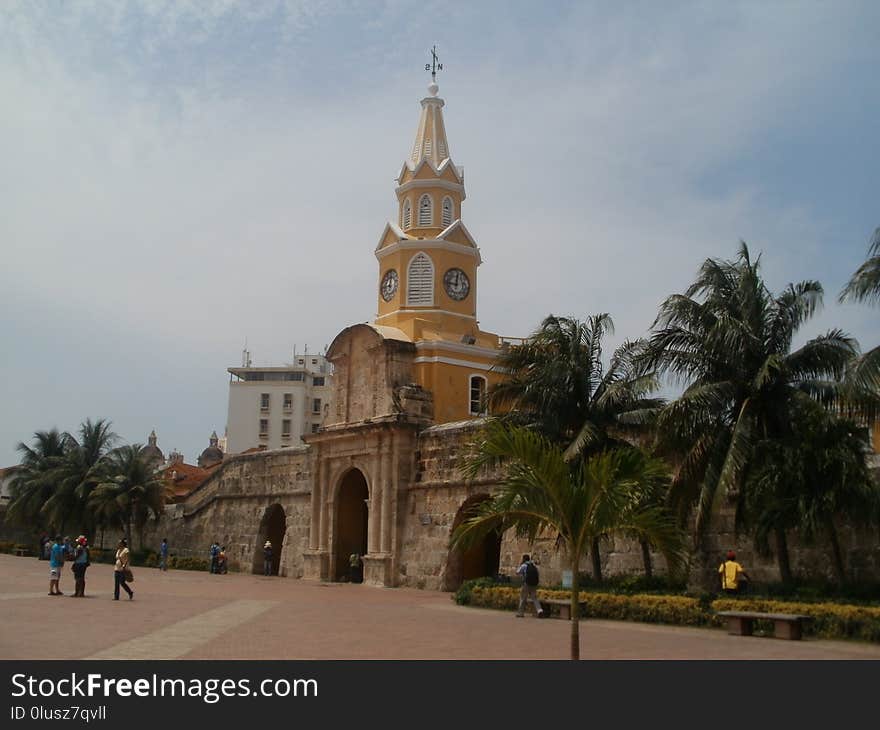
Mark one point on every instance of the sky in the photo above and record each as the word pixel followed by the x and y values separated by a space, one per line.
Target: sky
pixel 180 178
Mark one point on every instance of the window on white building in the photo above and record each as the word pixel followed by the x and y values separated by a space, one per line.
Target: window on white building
pixel 478 395
pixel 285 428
pixel 316 405
pixel 318 380
pixel 264 427
pixel 420 281
pixel 288 401
pixel 264 401
pixel 315 427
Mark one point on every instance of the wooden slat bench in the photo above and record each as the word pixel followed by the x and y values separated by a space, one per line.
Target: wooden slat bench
pixel 785 625
pixel 21 552
pixel 562 607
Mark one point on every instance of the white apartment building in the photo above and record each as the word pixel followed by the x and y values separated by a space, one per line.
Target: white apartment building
pixel 272 407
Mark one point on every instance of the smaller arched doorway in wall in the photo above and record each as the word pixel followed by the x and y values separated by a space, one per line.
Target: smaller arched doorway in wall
pixel 352 519
pixel 272 528
pixel 479 560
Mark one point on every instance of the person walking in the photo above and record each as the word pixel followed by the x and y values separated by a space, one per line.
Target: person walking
pixel 163 554
pixel 733 578
pixel 529 591
pixel 56 563
pixel 80 563
pixel 267 558
pixel 123 558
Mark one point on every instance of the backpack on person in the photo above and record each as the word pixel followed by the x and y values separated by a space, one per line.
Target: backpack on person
pixel 531 574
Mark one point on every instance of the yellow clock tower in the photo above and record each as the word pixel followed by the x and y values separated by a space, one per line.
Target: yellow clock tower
pixel 428 275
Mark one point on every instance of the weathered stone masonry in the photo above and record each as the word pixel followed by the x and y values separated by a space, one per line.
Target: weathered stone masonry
pixel 383 481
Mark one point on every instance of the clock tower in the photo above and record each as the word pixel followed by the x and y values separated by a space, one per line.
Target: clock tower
pixel 427 288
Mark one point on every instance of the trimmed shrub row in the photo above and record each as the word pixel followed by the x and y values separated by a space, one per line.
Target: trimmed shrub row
pixel 830 620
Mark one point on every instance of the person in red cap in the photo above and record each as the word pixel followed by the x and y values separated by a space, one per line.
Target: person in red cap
pixel 733 577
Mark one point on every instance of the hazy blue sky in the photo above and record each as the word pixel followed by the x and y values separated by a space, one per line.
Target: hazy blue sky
pixel 177 176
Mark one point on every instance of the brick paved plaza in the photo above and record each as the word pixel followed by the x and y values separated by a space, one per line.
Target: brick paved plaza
pixel 188 615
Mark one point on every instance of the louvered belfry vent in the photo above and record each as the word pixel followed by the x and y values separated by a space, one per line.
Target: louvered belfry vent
pixel 447 211
pixel 420 281
pixel 425 211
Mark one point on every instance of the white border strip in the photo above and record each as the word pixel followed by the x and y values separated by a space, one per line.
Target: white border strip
pixel 453 361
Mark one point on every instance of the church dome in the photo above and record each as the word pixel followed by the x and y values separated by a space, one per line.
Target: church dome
pixel 151 453
pixel 210 456
pixel 213 455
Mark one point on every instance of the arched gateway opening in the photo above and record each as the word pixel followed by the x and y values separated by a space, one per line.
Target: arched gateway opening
pixel 272 528
pixel 479 560
pixel 352 517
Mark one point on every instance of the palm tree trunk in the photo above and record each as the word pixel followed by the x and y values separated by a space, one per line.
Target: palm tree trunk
pixel 597 560
pixel 646 559
pixel 575 607
pixel 839 570
pixel 782 555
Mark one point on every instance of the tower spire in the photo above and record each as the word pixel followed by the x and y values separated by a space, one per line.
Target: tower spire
pixel 431 143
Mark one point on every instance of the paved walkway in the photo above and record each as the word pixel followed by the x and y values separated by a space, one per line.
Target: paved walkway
pixel 182 614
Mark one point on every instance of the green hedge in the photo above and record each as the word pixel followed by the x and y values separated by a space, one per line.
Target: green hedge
pixel 11 547
pixel 830 620
pixel 150 559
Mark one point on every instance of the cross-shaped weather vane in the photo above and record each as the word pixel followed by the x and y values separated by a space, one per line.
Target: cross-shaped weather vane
pixel 434 66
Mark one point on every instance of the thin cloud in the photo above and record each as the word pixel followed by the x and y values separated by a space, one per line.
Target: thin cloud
pixel 181 176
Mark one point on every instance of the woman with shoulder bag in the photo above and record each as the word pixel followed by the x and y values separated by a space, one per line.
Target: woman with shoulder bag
pixel 122 572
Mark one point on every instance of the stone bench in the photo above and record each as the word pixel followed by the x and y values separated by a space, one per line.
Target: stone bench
pixel 562 607
pixel 22 552
pixel 785 625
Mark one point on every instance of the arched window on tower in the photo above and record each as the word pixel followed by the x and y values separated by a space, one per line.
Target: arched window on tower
pixel 426 210
pixel 447 211
pixel 407 214
pixel 477 396
pixel 420 281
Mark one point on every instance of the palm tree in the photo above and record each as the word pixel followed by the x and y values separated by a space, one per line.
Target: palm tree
pixel 129 491
pixel 556 382
pixel 806 480
pixel 864 286
pixel 76 475
pixel 579 500
pixel 35 481
pixel 728 339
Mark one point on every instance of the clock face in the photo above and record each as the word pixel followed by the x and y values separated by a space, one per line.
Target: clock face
pixel 457 284
pixel 389 285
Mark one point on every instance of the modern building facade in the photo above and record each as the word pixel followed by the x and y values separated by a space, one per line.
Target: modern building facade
pixel 272 407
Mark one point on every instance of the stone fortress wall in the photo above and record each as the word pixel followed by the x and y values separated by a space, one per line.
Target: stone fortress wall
pixel 232 504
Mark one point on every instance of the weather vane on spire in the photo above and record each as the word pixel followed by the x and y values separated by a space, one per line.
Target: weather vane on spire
pixel 434 66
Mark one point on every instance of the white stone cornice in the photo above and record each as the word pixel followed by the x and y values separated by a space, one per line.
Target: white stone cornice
pixel 440 183
pixel 454 361
pixel 458 348
pixel 420 310
pixel 433 244
pixel 438 170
